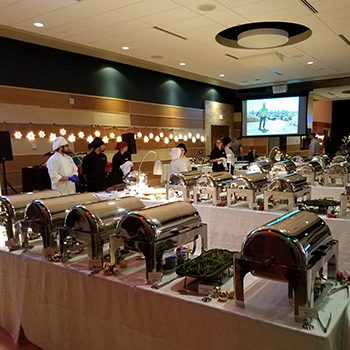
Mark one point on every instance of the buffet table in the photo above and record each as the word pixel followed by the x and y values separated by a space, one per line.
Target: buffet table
pixel 61 306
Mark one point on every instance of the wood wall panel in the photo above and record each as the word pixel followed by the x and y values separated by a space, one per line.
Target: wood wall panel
pixel 143 108
pixel 142 120
pixel 188 113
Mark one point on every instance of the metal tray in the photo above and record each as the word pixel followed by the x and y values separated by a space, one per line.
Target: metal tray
pixel 217 268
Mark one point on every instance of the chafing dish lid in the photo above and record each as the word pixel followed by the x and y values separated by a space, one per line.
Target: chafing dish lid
pixel 309 168
pixel 158 221
pixel 287 183
pixel 347 189
pixel 94 216
pixel 18 202
pixel 184 178
pixel 249 181
pixel 261 165
pixel 44 209
pixel 338 168
pixel 214 179
pixel 338 159
pixel 284 164
pixel 289 240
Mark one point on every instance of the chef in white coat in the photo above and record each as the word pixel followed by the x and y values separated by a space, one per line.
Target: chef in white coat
pixel 184 160
pixel 177 164
pixel 62 170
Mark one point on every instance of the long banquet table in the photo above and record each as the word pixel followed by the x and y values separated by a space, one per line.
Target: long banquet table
pixel 60 306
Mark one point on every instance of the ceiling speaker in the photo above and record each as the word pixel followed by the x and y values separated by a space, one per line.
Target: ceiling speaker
pixel 279 89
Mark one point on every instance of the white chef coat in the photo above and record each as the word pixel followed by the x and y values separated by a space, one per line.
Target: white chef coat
pixel 178 165
pixel 60 165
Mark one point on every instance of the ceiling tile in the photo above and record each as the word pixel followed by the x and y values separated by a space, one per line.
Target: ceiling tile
pixel 334 14
pixel 147 8
pixel 102 20
pixel 237 3
pixel 193 5
pixel 77 11
pixel 279 15
pixel 126 27
pixel 10 15
pixel 89 37
pixel 48 22
pixel 174 15
pixel 113 4
pixel 44 6
pixel 65 31
pixel 188 24
pixel 227 18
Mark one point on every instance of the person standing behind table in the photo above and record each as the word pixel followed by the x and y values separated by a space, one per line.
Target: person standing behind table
pixel 314 148
pixel 226 141
pixel 218 156
pixel 263 115
pixel 121 164
pixel 185 160
pixel 251 155
pixel 237 148
pixel 177 165
pixel 62 170
pixel 94 165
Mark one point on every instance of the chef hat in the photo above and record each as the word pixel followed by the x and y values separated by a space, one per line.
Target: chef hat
pixel 97 142
pixel 175 153
pixel 59 141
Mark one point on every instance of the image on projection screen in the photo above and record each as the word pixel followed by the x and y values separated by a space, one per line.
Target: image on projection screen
pixel 274 116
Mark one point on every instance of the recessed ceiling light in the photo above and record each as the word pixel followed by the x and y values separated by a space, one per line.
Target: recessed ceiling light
pixel 38 24
pixel 310 62
pixel 206 7
pixel 182 64
pixel 222 75
pixel 125 47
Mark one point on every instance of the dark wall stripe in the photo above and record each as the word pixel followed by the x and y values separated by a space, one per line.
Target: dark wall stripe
pixel 39 67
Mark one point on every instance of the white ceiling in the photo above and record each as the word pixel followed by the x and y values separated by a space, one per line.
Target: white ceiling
pixel 102 27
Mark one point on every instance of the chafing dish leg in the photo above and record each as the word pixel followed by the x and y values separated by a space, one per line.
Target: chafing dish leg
pixel 149 251
pixel 95 251
pixel 290 294
pixel 239 274
pixel 24 225
pixel 49 242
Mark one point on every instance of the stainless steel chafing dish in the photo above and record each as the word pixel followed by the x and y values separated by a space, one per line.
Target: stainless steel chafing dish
pixel 247 185
pixel 293 248
pixel 311 170
pixel 283 168
pixel 287 187
pixel 45 216
pixel 157 229
pixel 135 177
pixel 339 159
pixel 12 211
pixel 337 171
pixel 212 185
pixel 262 166
pixel 92 224
pixel 300 159
pixel 344 200
pixel 183 182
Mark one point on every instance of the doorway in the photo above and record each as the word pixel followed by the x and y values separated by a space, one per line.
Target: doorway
pixel 218 132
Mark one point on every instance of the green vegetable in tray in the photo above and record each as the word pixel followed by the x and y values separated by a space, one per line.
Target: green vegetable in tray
pixel 324 202
pixel 207 263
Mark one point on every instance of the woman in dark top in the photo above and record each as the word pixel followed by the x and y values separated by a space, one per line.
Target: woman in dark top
pixel 251 154
pixel 121 157
pixel 215 155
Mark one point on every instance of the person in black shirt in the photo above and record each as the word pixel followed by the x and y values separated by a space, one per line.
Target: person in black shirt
pixel 94 166
pixel 216 156
pixel 120 158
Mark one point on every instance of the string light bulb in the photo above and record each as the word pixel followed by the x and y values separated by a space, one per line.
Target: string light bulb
pixel 81 134
pixel 189 135
pixel 139 134
pixel 53 137
pixel 97 133
pixel 71 138
pixel 202 138
pixel 185 138
pixel 63 131
pixel 30 136
pixel 194 139
pixel 171 136
pixel 18 135
pixel 105 139
pixel 119 139
pixel 112 135
pixel 161 134
pixel 157 138
pixel 180 137
pixel 198 136
pixel 176 138
pixel 145 139
pixel 90 139
pixel 41 134
pixel 166 140
pixel 151 135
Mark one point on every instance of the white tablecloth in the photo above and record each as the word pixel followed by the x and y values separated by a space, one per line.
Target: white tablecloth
pixel 228 227
pixel 61 307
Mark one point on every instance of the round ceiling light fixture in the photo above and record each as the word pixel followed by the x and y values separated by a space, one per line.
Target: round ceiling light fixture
pixel 263 38
pixel 263 35
pixel 206 7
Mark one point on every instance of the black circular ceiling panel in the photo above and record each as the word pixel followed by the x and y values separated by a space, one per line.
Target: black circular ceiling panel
pixel 296 33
